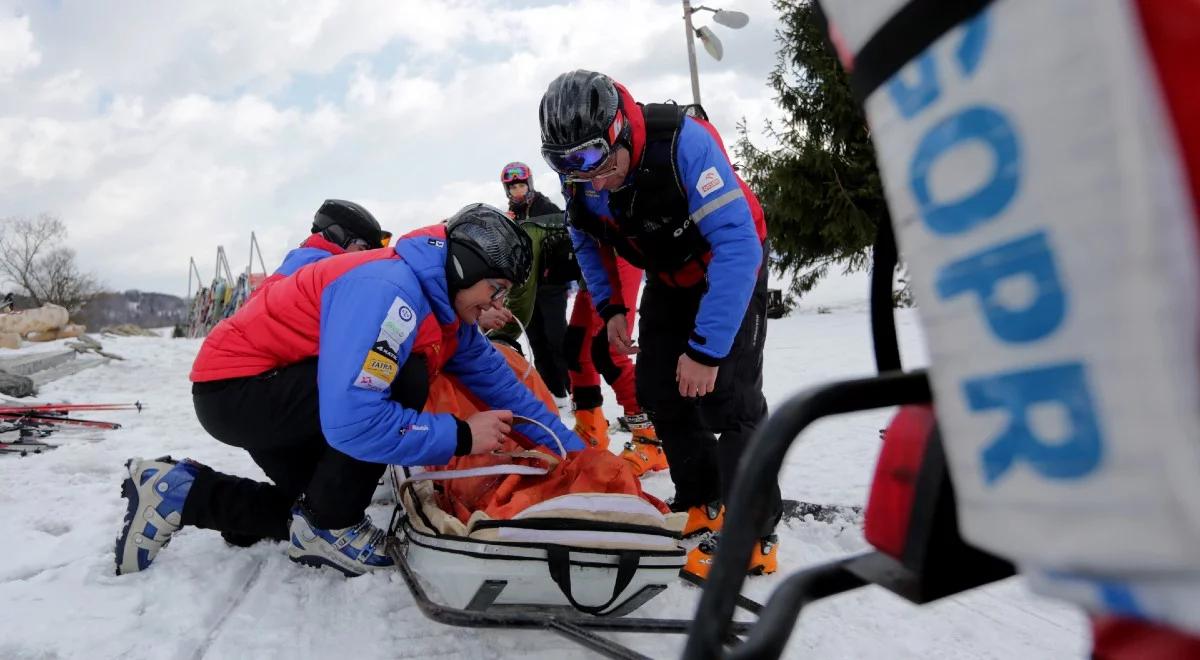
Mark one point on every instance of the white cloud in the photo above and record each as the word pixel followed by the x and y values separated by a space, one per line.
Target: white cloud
pixel 17 50
pixel 159 131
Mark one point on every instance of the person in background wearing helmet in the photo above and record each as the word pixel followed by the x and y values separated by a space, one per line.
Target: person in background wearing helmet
pixel 541 302
pixel 653 184
pixel 583 342
pixel 338 227
pixel 381 323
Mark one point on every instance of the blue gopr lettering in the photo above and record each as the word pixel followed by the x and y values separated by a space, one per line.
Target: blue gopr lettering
pixel 1071 457
pixel 912 95
pixel 970 51
pixel 993 130
pixel 1029 257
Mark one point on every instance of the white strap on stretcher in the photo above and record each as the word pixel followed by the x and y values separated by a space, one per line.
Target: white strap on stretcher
pixel 504 468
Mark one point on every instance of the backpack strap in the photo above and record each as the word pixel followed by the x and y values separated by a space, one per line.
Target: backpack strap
pixel 546 221
pixel 663 121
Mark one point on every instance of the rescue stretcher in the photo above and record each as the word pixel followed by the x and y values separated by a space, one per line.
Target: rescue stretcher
pixel 577 564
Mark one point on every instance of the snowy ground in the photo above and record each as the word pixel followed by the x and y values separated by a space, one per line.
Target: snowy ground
pixel 60 511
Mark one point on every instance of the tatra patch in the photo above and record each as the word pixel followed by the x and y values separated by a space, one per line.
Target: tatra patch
pixel 380 366
pixel 709 181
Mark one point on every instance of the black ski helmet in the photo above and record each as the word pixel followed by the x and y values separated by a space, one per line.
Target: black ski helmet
pixel 484 242
pixel 578 106
pixel 340 222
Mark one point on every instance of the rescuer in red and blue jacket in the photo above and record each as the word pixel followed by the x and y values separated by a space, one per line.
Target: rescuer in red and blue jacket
pixel 652 184
pixel 322 379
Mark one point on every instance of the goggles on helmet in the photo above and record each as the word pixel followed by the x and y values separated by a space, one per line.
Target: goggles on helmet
pixel 585 158
pixel 514 174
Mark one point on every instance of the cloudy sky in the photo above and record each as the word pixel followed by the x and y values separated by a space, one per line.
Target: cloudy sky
pixel 160 130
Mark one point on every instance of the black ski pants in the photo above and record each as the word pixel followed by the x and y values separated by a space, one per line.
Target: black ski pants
pixel 546 330
pixel 275 417
pixel 704 438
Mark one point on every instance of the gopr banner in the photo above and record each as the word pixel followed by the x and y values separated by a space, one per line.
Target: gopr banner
pixel 1042 207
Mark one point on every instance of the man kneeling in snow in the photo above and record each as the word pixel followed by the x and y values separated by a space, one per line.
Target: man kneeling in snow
pixel 382 323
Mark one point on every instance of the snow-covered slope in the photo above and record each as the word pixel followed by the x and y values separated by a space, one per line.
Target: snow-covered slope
pixel 60 511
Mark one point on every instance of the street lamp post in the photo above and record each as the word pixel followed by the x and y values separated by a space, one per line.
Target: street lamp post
pixel 730 19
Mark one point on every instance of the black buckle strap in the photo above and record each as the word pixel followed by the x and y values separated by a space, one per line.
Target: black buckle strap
pixel 905 35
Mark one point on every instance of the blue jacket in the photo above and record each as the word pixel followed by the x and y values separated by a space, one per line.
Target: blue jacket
pixel 369 321
pixel 728 217
pixel 313 249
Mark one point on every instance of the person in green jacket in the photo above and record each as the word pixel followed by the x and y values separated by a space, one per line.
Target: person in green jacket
pixel 541 303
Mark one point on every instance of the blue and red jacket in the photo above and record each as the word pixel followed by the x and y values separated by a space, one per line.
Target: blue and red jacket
pixel 365 314
pixel 686 219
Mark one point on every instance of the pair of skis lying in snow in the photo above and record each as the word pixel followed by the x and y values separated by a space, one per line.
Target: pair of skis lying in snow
pixel 31 423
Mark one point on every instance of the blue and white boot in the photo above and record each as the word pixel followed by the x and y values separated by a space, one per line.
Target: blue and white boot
pixel 155 492
pixel 352 550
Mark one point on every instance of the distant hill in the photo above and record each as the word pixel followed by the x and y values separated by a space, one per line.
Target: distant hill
pixel 148 310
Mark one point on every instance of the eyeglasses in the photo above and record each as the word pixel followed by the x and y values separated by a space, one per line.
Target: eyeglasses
pixel 358 243
pixel 498 290
pixel 515 174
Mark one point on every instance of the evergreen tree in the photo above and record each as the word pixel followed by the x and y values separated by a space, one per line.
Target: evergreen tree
pixel 820 187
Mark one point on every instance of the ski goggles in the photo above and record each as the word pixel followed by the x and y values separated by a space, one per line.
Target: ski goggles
pixel 587 159
pixel 515 174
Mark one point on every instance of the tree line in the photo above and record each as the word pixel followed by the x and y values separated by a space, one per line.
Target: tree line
pixel 37 262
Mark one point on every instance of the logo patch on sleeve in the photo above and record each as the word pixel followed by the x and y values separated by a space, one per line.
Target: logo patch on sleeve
pixel 381 365
pixel 709 181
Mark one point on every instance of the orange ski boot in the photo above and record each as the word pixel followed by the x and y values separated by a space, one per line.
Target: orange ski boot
pixel 644 455
pixel 704 518
pixel 592 427
pixel 763 561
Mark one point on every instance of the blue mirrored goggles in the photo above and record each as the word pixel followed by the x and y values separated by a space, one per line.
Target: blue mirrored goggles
pixel 585 158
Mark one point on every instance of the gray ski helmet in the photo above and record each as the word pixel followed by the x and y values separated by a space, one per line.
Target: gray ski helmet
pixel 485 242
pixel 577 106
pixel 341 222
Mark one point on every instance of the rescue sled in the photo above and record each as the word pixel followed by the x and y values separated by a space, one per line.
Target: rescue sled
pixel 576 564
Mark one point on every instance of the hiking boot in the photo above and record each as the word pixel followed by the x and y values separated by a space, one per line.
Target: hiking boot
pixel 592 427
pixel 763 560
pixel 352 550
pixel 704 518
pixel 562 402
pixel 645 456
pixel 154 492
